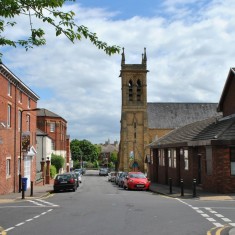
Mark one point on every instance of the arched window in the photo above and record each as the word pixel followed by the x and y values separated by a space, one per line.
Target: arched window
pixel 130 90
pixel 138 90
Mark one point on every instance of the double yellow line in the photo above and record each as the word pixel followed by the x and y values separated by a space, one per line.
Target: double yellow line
pixel 217 230
pixel 2 232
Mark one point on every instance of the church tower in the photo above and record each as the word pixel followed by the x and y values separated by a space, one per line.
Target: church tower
pixel 134 122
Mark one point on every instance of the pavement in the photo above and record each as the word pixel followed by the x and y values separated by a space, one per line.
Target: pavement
pixel 47 189
pixel 38 192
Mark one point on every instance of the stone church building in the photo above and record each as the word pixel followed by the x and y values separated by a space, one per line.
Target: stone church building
pixel 143 122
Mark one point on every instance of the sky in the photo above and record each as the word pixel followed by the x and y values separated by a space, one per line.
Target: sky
pixel 190 49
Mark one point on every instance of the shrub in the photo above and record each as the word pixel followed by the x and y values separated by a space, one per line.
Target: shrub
pixel 52 171
pixel 57 161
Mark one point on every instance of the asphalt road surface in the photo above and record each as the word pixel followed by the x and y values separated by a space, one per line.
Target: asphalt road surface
pixel 100 207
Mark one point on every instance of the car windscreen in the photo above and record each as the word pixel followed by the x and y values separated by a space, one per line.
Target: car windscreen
pixel 138 176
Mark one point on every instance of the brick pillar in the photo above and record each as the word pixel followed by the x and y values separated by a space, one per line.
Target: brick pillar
pixel 48 172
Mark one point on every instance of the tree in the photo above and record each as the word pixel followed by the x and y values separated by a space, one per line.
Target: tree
pixel 76 152
pixel 85 150
pixel 48 11
pixel 57 161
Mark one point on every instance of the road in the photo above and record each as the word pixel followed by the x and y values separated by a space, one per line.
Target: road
pixel 99 207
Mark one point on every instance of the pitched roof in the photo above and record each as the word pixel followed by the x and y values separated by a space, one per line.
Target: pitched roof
pixel 231 75
pixel 211 129
pixel 174 115
pixel 48 113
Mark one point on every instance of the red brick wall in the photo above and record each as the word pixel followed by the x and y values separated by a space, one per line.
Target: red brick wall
pixel 229 104
pixel 43 123
pixel 10 136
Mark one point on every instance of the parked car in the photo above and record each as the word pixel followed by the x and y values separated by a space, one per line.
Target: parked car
pixel 136 180
pixel 121 179
pixel 79 176
pixel 103 171
pixel 111 176
pixel 66 181
pixel 117 177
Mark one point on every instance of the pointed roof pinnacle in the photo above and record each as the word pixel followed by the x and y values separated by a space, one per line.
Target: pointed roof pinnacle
pixel 144 57
pixel 123 56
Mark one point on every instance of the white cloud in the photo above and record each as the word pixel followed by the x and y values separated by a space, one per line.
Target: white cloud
pixel 188 59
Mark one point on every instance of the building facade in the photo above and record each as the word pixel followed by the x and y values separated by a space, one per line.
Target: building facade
pixel 143 122
pixel 134 122
pixel 56 128
pixel 203 151
pixel 17 132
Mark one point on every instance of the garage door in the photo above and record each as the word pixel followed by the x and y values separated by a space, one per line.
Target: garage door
pixel 27 169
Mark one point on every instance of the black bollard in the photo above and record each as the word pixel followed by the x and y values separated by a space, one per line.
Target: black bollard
pixel 194 187
pixel 31 189
pixel 20 185
pixel 182 187
pixel 170 185
pixel 23 192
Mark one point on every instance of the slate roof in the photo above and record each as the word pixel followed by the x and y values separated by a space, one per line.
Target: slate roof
pixel 174 115
pixel 211 129
pixel 48 113
pixel 109 148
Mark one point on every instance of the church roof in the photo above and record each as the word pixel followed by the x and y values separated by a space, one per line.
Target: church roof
pixel 174 115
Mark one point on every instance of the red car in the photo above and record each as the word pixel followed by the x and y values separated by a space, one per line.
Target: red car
pixel 136 180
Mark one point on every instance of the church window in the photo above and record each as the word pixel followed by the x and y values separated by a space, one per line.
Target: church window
pixel 138 90
pixel 130 91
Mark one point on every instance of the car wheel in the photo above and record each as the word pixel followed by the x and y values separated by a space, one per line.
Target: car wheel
pixel 74 189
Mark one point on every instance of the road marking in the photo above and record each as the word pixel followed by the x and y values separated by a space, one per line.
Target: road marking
pixel 208 217
pixel 22 223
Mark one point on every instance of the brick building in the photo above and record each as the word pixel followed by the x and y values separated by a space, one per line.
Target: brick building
pixel 17 102
pixel 56 128
pixel 202 150
pixel 143 122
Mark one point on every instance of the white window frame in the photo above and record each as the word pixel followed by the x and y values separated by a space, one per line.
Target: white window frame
pixel 8 115
pixel 29 103
pixel 8 167
pixel 9 89
pixel 232 161
pixel 52 126
pixel 186 160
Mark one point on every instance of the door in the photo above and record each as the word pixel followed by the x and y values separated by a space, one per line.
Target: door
pixel 27 169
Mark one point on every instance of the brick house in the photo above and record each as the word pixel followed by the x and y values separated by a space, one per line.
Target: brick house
pixel 56 128
pixel 202 150
pixel 106 150
pixel 17 116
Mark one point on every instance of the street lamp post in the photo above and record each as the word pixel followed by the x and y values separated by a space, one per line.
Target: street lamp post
pixel 21 116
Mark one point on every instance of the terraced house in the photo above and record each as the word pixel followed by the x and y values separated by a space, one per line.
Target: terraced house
pixel 17 131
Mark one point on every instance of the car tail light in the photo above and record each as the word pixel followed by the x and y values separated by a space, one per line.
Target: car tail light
pixel 71 181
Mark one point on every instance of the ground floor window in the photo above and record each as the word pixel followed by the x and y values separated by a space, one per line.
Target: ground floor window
pixel 186 164
pixel 232 160
pixel 161 157
pixel 8 167
pixel 209 160
pixel 172 158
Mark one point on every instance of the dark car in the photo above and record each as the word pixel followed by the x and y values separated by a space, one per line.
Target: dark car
pixel 66 181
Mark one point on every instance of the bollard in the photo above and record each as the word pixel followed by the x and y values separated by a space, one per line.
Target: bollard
pixel 194 188
pixel 182 187
pixel 20 183
pixel 31 189
pixel 23 194
pixel 170 184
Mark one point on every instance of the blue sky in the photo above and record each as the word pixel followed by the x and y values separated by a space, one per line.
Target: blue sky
pixel 190 49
